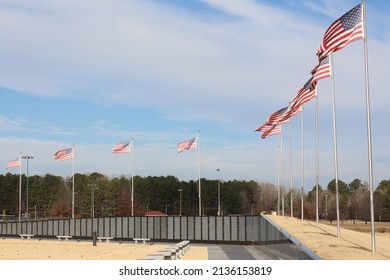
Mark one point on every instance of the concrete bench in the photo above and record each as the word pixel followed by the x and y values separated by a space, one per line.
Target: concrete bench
pixel 143 240
pixel 169 253
pixel 64 237
pixel 106 238
pixel 181 248
pixel 26 236
pixel 185 245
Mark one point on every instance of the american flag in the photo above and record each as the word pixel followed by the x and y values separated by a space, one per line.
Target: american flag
pixel 275 118
pixel 345 30
pixel 64 154
pixel 121 148
pixel 276 129
pixel 264 127
pixel 186 145
pixel 14 163
pixel 291 112
pixel 306 93
pixel 322 70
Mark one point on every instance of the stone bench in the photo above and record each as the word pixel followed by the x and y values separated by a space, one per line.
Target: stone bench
pixel 143 240
pixel 106 238
pixel 64 237
pixel 26 236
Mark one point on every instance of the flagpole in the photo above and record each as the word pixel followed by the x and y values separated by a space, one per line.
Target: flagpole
pixel 281 170
pixel 198 167
pixel 317 161
pixel 371 184
pixel 73 184
pixel 276 143
pixel 20 187
pixel 336 168
pixel 132 176
pixel 278 172
pixel 291 174
pixel 303 163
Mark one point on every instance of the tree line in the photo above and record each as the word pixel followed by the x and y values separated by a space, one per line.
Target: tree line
pixel 97 195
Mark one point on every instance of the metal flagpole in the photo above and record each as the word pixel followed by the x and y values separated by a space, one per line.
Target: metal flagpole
pixel 336 168
pixel 303 164
pixel 371 184
pixel 281 170
pixel 198 167
pixel 278 172
pixel 20 187
pixel 317 162
pixel 132 176
pixel 291 174
pixel 73 183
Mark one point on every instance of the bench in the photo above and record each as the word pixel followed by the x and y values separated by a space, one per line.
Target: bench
pixel 26 236
pixel 64 237
pixel 185 245
pixel 169 253
pixel 173 252
pixel 106 238
pixel 143 240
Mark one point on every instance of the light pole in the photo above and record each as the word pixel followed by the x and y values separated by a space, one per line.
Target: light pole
pixel 180 191
pixel 219 192
pixel 166 209
pixel 27 158
pixel 93 188
pixel 326 206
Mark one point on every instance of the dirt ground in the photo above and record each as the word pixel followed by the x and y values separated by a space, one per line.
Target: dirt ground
pixel 354 243
pixel 381 228
pixel 34 249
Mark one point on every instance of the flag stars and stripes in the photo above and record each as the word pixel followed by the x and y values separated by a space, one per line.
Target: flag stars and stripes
pixel 14 163
pixel 345 30
pixel 120 148
pixel 186 145
pixel 64 154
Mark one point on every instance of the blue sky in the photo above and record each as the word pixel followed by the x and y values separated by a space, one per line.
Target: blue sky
pixel 95 73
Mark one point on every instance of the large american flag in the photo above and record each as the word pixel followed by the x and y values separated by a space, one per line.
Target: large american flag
pixel 322 70
pixel 186 145
pixel 14 163
pixel 64 154
pixel 345 30
pixel 121 148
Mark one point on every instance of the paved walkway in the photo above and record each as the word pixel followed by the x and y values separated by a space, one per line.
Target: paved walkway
pixel 286 251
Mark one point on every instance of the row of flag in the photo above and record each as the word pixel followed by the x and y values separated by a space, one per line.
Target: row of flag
pixel 345 30
pixel 120 148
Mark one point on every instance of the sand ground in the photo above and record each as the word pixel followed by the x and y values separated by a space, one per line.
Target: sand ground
pixel 34 249
pixel 324 242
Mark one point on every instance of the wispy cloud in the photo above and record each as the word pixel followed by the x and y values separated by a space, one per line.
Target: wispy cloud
pixel 8 124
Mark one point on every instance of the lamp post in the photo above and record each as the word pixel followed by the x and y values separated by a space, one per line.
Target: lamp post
pixel 180 191
pixel 93 188
pixel 166 209
pixel 219 192
pixel 27 158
